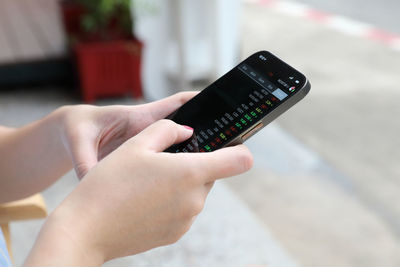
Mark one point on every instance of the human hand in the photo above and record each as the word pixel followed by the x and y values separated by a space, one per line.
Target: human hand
pixel 90 133
pixel 136 198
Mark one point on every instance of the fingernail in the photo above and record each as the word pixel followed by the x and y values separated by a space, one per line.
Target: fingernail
pixel 188 127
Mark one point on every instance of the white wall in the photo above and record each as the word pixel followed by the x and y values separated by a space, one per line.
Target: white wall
pixel 186 40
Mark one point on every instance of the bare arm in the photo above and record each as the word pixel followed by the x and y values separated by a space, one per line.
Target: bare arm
pixel 31 157
pixel 36 155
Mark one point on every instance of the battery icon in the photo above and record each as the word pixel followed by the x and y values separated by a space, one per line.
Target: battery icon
pixel 278 93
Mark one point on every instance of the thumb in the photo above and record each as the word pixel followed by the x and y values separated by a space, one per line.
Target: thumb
pixel 162 134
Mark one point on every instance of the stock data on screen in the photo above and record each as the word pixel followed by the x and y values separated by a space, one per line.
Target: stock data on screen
pixel 236 102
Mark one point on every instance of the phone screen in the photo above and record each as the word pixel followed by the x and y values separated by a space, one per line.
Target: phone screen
pixel 236 102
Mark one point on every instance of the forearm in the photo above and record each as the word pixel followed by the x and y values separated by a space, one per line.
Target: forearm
pixel 31 157
pixel 73 233
pixel 56 247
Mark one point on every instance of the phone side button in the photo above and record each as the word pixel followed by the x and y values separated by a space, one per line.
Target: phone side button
pixel 252 131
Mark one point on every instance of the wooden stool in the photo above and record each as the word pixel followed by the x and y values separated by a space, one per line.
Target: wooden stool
pixel 29 208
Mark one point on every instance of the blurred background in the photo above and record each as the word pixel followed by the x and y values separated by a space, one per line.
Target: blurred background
pixel 325 187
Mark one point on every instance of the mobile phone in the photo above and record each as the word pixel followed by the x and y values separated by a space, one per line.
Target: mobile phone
pixel 240 103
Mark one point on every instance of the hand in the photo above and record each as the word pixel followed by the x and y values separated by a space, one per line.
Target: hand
pixel 90 133
pixel 135 199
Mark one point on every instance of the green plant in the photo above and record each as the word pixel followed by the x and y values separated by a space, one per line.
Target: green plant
pixel 101 17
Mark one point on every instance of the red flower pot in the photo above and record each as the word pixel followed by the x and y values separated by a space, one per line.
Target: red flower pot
pixel 106 67
pixel 109 68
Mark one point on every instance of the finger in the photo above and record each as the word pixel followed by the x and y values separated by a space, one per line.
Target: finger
pixel 166 106
pixel 84 157
pixel 224 162
pixel 162 134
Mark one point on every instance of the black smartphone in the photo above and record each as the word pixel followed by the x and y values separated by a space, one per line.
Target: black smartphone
pixel 240 103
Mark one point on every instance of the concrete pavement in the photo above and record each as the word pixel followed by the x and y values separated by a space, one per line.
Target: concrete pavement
pixel 383 14
pixel 347 214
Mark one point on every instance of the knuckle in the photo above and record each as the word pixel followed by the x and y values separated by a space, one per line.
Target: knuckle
pixel 197 206
pixel 176 235
pixel 170 126
pixel 167 123
pixel 194 207
pixel 182 96
pixel 245 161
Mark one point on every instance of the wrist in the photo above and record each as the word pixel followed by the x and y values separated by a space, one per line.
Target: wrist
pixel 61 121
pixel 64 241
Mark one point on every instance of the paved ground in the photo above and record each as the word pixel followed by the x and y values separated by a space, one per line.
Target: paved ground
pixel 347 215
pixel 383 14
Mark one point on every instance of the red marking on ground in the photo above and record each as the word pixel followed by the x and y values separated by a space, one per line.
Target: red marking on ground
pixel 383 36
pixel 317 15
pixel 388 38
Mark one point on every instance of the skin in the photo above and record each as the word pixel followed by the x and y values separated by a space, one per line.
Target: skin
pixel 149 200
pixel 132 196
pixel 71 137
